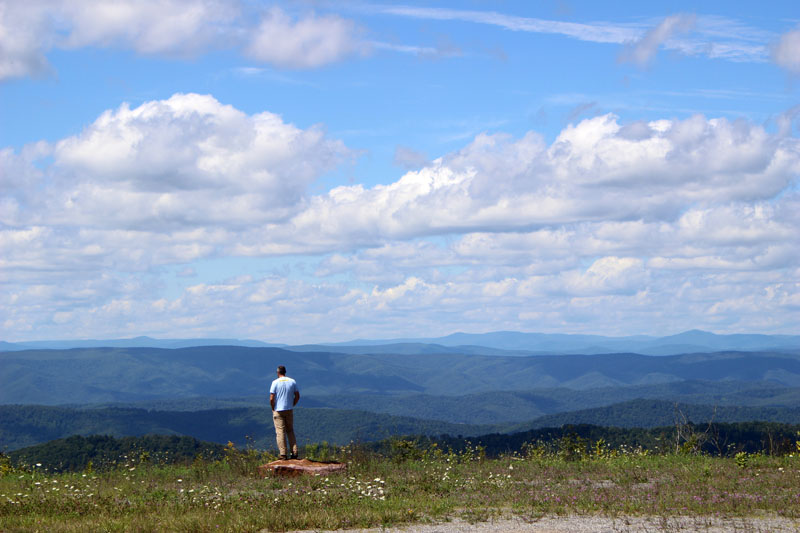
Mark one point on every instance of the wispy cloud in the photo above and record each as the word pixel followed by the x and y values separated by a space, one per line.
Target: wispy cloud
pixel 403 48
pixel 595 32
pixel 580 110
pixel 642 51
pixel 712 36
pixel 269 73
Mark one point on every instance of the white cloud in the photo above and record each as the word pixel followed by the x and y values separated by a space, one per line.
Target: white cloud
pixel 593 171
pixel 608 275
pixel 24 37
pixel 187 161
pixel 169 181
pixel 29 30
pixel 280 37
pixel 191 164
pixel 633 298
pixel 604 33
pixel 787 52
pixel 681 223
pixel 307 43
pixel 147 26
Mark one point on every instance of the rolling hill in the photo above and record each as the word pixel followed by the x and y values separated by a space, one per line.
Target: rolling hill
pixel 218 393
pixel 96 375
pixel 28 425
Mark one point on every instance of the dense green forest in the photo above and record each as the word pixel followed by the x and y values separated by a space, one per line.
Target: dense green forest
pixel 655 413
pixel 725 439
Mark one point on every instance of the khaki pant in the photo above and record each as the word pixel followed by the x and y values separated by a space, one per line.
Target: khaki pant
pixel 284 427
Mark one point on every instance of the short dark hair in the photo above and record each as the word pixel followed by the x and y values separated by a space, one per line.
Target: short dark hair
pixel 281 370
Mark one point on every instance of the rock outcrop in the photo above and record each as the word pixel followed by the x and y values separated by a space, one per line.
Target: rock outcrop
pixel 296 467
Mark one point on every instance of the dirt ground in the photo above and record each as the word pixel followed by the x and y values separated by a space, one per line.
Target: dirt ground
pixel 598 524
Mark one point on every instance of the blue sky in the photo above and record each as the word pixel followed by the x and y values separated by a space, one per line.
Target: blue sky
pixel 321 171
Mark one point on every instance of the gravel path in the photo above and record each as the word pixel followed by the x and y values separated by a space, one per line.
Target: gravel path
pixel 598 524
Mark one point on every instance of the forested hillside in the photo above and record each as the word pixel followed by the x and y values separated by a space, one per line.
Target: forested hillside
pixel 83 376
pixel 657 413
pixel 218 393
pixel 725 439
pixel 22 426
pixel 511 406
pixel 28 425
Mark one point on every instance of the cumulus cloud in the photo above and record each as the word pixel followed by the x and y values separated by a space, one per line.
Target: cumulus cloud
pixel 190 163
pixel 658 222
pixel 29 30
pixel 787 52
pixel 187 161
pixel 594 170
pixel 169 181
pixel 642 51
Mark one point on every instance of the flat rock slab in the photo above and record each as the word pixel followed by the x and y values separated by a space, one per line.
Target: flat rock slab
pixel 296 467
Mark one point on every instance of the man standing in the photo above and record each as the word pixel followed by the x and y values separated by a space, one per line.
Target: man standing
pixel 283 396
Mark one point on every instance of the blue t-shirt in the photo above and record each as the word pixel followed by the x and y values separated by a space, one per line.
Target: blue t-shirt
pixel 284 388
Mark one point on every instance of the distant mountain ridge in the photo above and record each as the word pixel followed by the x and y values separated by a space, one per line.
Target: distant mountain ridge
pixel 492 343
pixel 136 342
pixel 693 341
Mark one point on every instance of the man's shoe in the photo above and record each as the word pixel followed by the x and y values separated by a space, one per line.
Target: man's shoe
pixel 293 456
pixel 282 457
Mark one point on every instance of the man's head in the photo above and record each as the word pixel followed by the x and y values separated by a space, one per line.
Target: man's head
pixel 281 370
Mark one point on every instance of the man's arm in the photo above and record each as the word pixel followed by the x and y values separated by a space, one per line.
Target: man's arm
pixel 272 400
pixel 296 397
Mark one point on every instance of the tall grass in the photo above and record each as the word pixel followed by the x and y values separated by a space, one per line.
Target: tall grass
pixel 404 484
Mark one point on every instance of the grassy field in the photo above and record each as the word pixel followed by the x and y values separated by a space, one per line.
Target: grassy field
pixel 407 485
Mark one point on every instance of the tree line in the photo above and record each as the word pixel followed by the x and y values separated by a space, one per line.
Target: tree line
pixel 78 453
